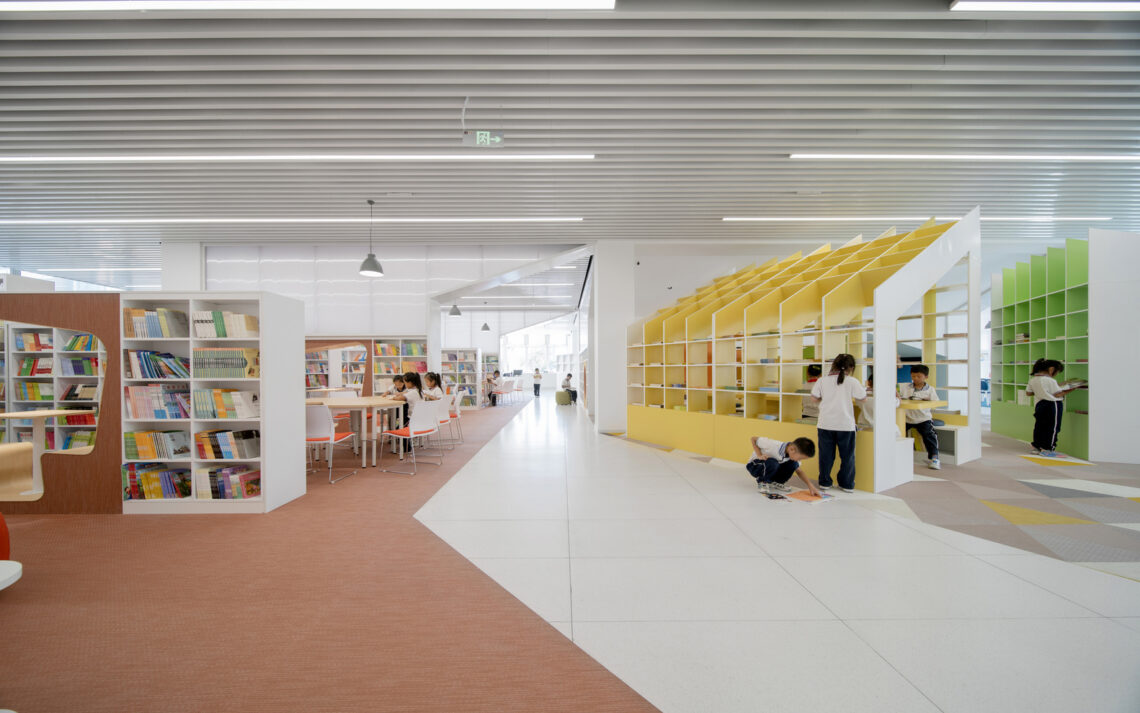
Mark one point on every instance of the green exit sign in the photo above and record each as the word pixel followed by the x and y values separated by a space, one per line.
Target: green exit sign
pixel 485 139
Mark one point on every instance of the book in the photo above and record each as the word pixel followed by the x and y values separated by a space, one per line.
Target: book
pixel 159 323
pixel 806 497
pixel 230 482
pixel 226 363
pixel 154 481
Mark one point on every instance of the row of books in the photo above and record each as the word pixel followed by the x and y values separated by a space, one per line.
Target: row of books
pixel 79 366
pixel 226 403
pixel 155 481
pixel 220 323
pixel 78 439
pixel 354 357
pixel 148 445
pixel 386 367
pixel 157 401
pixel 417 366
pixel 459 366
pixel 79 419
pixel 316 356
pixel 32 341
pixel 34 391
pixel 226 363
pixel 82 343
pixel 80 392
pixel 409 349
pixel 219 445
pixel 36 366
pixel 154 323
pixel 147 364
pixel 26 437
pixel 315 368
pixel 387 350
pixel 232 482
pixel 314 381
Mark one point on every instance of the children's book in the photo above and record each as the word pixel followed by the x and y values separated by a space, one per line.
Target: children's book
pixel 805 496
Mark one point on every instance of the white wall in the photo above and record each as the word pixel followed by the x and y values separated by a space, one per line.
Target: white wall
pixel 613 281
pixel 339 302
pixel 182 267
pixel 465 331
pixel 663 279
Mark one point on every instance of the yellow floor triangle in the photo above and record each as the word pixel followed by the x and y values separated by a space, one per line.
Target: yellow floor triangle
pixel 1053 461
pixel 1026 516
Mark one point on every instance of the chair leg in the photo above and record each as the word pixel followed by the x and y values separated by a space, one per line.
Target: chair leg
pixel 337 480
pixel 411 448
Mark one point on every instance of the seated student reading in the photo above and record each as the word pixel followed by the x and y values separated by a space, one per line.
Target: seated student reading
pixel 810 409
pixel 867 408
pixel 919 419
pixel 775 461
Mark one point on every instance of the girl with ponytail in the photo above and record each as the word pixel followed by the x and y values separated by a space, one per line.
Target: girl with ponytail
pixel 1047 405
pixel 836 425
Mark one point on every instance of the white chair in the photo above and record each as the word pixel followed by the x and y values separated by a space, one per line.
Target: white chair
pixel 506 390
pixel 447 410
pixel 455 413
pixel 423 422
pixel 320 429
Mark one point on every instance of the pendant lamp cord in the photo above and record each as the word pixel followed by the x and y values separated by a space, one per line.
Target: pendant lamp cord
pixel 371 203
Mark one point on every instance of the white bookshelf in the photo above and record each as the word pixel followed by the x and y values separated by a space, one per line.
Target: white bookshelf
pixel 353 362
pixel 17 390
pixel 395 355
pixel 281 422
pixel 462 369
pixel 317 369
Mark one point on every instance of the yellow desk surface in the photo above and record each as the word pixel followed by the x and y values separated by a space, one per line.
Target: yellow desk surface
pixel 47 413
pixel 913 405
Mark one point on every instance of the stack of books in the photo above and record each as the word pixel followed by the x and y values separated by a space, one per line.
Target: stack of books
pixel 211 324
pixel 154 324
pixel 233 482
pixel 226 363
pixel 222 445
pixel 154 481
pixel 226 403
pixel 80 392
pixel 149 445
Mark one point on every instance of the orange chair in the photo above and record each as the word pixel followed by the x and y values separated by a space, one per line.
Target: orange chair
pixel 320 429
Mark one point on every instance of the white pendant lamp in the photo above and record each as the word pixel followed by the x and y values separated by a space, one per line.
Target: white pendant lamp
pixel 454 311
pixel 371 266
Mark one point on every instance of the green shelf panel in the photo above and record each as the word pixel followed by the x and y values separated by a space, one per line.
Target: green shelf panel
pixel 1008 315
pixel 1007 332
pixel 1077 401
pixel 1055 267
pixel 1008 286
pixel 1055 304
pixel 1008 374
pixel 1077 324
pixel 1077 298
pixel 1077 262
pixel 1021 353
pixel 1076 348
pixel 1055 349
pixel 1037 329
pixel 1021 312
pixel 1036 351
pixel 1037 308
pixel 1037 276
pixel 1075 371
pixel 1024 281
pixel 1055 327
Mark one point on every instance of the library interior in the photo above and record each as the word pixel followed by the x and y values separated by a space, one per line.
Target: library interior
pixel 569 355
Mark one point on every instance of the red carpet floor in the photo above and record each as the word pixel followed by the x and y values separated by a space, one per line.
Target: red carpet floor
pixel 337 602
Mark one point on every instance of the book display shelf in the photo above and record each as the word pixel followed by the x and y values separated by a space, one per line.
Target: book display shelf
pixel 396 355
pixel 202 431
pixel 353 362
pixel 317 369
pixel 1040 310
pixel 45 368
pixel 462 369
pixel 731 360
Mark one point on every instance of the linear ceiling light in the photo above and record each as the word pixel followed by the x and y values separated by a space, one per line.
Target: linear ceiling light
pixel 988 6
pixel 516 297
pixel 539 284
pixel 1098 158
pixel 260 158
pixel 877 218
pixel 565 267
pixel 192 221
pixel 213 5
pixel 98 269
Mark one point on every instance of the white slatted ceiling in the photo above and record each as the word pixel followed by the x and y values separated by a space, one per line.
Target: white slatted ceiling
pixel 691 107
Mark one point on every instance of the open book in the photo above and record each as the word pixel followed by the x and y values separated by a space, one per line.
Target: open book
pixel 807 497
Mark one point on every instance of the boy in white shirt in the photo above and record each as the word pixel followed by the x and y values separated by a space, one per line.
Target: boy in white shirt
pixel 566 386
pixel 919 419
pixel 775 461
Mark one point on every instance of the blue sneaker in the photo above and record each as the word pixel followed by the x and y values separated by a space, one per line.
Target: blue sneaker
pixel 1049 454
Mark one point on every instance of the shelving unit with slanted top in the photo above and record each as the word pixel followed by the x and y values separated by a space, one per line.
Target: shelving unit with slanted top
pixel 731 360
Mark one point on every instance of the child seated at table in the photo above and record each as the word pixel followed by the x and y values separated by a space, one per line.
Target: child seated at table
pixel 920 419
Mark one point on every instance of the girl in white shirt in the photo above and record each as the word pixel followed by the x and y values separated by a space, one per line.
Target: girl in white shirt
pixel 836 425
pixel 1047 405
pixel 537 381
pixel 433 390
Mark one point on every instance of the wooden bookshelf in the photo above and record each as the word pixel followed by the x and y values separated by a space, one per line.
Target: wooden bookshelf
pixel 280 353
pixel 74 372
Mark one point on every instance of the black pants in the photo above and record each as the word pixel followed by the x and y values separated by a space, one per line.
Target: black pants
pixel 844 442
pixel 536 388
pixel 771 470
pixel 929 437
pixel 1047 424
pixel 573 395
pixel 494 399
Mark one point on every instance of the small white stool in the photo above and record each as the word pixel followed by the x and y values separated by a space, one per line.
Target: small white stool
pixel 10 572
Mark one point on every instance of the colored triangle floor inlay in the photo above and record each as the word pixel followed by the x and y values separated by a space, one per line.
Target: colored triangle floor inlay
pixel 1026 516
pixel 1054 461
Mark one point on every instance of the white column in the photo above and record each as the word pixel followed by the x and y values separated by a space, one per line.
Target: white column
pixel 614 263
pixel 434 335
pixel 970 439
pixel 183 266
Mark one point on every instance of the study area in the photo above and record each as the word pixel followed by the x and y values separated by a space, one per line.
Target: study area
pixel 569 355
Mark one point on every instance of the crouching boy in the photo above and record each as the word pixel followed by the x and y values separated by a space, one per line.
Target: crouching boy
pixel 774 462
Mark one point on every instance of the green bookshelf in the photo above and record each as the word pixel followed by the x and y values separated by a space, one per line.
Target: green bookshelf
pixel 1041 312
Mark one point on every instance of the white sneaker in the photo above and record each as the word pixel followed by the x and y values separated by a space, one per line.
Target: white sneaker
pixel 763 487
pixel 934 464
pixel 780 487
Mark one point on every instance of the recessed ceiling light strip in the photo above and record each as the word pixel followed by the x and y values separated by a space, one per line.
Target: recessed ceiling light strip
pixel 278 221
pixel 1097 158
pixel 878 218
pixel 1042 6
pixel 265 158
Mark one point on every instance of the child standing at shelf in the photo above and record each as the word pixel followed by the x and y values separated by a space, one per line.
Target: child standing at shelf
pixel 775 461
pixel 919 419
pixel 537 381
pixel 1047 405
pixel 810 409
pixel 836 425
pixel 494 382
